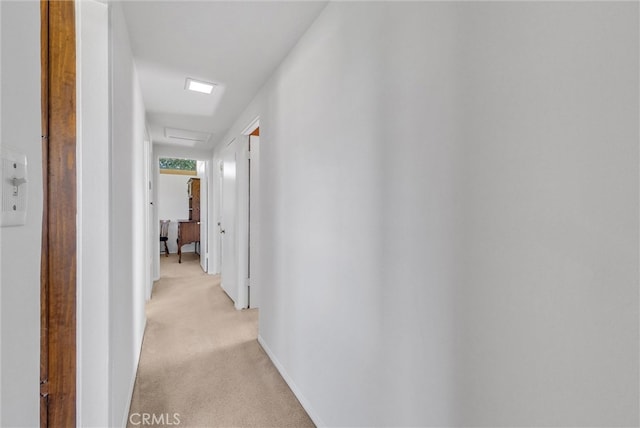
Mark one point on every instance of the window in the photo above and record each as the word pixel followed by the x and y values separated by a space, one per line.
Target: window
pixel 178 166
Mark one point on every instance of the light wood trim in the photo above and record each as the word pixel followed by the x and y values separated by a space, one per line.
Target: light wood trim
pixel 179 172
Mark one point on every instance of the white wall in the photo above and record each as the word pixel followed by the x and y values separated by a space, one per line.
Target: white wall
pixel 1 231
pixel 449 214
pixel 128 262
pixel 173 204
pixel 93 168
pixel 558 216
pixel 20 246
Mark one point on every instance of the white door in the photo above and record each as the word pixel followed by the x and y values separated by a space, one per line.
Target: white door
pixel 227 226
pixel 234 223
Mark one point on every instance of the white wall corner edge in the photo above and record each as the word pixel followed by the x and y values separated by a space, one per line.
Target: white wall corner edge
pixel 125 421
pixel 125 418
pixel 0 231
pixel 294 388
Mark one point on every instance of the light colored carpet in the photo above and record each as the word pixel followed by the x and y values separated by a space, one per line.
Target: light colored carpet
pixel 201 359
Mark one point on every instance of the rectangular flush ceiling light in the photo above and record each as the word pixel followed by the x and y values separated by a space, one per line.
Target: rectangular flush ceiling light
pixel 199 86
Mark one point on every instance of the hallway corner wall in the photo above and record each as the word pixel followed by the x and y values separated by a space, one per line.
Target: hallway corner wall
pixel 93 166
pixel 449 214
pixel 128 234
pixel 0 232
pixel 20 247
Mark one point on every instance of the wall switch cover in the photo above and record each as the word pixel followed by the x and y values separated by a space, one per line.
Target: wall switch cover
pixel 13 189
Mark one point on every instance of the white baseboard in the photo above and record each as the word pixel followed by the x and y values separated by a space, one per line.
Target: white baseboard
pixel 294 388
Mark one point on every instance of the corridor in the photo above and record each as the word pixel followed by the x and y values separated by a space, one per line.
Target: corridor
pixel 201 364
pixel 437 225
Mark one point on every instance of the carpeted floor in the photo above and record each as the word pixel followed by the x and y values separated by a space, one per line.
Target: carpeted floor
pixel 201 360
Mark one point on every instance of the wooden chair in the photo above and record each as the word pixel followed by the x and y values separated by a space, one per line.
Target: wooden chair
pixel 164 235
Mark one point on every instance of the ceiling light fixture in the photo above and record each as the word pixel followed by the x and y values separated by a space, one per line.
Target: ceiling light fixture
pixel 199 86
pixel 184 135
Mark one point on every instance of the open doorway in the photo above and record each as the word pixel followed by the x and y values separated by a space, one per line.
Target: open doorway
pixel 182 206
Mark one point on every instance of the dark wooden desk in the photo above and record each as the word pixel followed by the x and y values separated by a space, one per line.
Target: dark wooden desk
pixel 188 232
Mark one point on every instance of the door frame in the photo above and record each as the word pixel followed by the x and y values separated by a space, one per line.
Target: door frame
pixel 148 215
pixel 59 251
pixel 204 213
pixel 242 253
pixel 252 207
pixel 158 152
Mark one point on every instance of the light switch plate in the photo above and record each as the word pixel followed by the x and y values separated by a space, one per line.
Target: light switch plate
pixel 13 172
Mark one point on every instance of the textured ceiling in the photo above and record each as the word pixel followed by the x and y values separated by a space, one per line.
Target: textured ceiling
pixel 235 44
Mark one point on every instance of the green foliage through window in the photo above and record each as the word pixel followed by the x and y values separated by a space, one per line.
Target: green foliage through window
pixel 179 164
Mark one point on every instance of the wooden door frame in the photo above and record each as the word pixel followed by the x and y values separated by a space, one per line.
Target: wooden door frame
pixel 58 258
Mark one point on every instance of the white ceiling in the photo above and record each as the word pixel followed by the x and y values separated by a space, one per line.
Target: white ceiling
pixel 235 44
